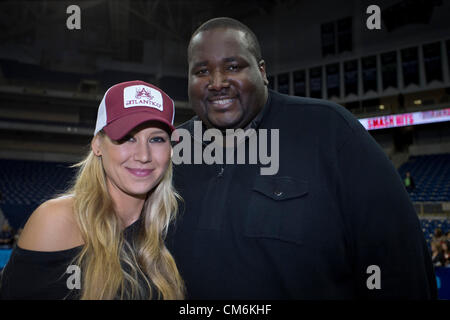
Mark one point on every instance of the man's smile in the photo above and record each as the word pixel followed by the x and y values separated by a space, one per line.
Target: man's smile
pixel 220 103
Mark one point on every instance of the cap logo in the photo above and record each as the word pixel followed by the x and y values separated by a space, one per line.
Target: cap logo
pixel 143 93
pixel 142 96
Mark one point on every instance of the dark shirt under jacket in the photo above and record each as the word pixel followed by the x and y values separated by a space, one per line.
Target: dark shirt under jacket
pixel 336 206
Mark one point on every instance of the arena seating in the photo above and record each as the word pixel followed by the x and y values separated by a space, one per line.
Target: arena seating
pixel 429 225
pixel 26 74
pixel 26 184
pixel 20 73
pixel 431 174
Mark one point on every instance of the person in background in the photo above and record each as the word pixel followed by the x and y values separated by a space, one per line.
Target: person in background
pixel 437 254
pixel 409 182
pixel 6 236
pixel 438 235
pixel 445 254
pixel 104 239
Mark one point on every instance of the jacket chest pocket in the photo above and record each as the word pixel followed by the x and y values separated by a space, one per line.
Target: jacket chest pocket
pixel 277 209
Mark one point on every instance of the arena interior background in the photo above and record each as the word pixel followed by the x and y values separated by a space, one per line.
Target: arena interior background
pixel 395 79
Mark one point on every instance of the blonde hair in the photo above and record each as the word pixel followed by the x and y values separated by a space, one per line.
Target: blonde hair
pixel 106 252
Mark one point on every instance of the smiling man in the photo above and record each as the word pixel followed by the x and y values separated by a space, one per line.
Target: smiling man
pixel 334 222
pixel 226 79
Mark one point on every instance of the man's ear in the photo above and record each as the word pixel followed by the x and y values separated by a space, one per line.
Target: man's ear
pixel 95 146
pixel 262 69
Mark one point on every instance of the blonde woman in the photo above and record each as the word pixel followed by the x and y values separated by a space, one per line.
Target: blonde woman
pixel 104 239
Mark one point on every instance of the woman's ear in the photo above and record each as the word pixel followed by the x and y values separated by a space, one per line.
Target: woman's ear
pixel 95 146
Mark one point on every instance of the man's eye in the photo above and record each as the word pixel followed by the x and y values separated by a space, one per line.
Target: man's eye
pixel 129 139
pixel 233 67
pixel 158 139
pixel 201 72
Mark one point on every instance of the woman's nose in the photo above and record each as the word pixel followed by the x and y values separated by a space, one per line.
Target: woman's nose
pixel 142 152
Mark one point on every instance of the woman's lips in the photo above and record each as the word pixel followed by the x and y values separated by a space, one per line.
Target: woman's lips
pixel 140 172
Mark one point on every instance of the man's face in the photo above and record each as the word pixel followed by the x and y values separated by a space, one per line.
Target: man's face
pixel 226 84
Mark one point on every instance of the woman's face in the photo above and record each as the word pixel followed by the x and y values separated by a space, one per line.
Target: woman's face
pixel 135 164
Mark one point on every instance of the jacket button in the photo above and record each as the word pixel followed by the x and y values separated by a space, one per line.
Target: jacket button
pixel 278 193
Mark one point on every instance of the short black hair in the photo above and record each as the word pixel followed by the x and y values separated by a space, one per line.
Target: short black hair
pixel 225 22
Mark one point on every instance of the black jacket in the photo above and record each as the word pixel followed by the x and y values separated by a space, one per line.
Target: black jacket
pixel 336 208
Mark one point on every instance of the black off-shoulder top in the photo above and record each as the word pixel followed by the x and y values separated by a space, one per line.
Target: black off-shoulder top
pixel 46 275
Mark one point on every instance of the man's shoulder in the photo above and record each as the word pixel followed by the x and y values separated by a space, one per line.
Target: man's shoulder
pixel 313 110
pixel 306 104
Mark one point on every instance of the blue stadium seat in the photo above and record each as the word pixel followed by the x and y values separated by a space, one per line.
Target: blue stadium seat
pixel 431 174
pixel 26 184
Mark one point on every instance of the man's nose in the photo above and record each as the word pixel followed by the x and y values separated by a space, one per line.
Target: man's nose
pixel 218 80
pixel 142 152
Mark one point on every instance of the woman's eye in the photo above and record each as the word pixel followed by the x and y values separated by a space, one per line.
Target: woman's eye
pixel 125 139
pixel 158 139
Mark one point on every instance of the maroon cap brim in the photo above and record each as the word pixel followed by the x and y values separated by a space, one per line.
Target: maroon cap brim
pixel 119 128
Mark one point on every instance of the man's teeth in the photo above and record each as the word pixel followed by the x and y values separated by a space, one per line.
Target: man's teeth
pixel 223 101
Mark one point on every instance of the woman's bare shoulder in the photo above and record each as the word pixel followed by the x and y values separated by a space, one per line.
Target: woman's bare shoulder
pixel 51 227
